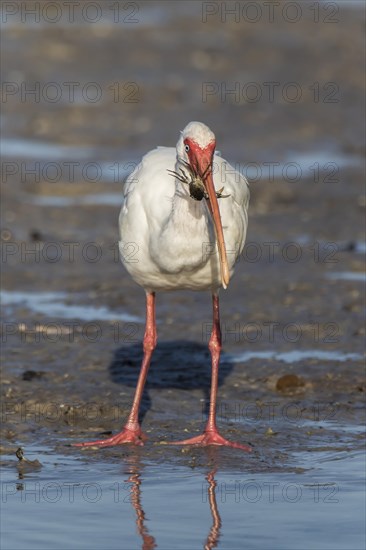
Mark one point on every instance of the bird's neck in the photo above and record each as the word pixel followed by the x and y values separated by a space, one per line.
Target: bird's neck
pixel 184 236
pixel 187 213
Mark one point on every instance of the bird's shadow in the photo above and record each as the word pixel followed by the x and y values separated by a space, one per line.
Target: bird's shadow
pixel 178 364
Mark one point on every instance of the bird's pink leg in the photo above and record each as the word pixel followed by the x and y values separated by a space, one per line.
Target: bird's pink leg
pixel 211 435
pixel 132 433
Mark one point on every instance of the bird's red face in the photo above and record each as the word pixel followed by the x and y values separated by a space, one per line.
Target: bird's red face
pixel 199 157
pixel 201 161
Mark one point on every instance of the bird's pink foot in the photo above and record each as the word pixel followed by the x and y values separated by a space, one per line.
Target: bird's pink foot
pixel 134 437
pixel 211 438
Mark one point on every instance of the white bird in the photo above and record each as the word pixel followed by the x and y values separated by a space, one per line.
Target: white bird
pixel 185 212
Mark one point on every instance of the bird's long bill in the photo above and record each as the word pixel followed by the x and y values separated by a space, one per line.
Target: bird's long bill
pixel 215 213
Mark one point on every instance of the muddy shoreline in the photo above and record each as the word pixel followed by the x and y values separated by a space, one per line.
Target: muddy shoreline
pixel 66 378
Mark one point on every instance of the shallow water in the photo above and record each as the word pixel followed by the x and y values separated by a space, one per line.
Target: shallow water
pixel 29 148
pixel 133 503
pixel 105 199
pixel 293 356
pixel 53 304
pixel 347 276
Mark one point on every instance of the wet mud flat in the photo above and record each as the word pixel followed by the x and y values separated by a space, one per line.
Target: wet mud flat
pixel 73 330
pixel 293 341
pixel 292 378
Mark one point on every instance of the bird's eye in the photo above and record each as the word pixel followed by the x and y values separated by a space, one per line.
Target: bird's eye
pixel 186 147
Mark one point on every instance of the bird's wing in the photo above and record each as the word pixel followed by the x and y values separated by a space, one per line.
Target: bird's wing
pixel 234 209
pixel 233 182
pixel 155 165
pixel 148 193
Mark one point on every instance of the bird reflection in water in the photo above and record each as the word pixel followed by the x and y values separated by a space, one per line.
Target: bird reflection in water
pixel 214 534
pixel 148 541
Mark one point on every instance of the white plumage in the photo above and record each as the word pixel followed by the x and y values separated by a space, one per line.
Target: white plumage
pixel 181 231
pixel 172 234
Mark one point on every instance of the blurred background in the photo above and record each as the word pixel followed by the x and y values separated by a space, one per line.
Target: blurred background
pixel 87 89
pixel 128 75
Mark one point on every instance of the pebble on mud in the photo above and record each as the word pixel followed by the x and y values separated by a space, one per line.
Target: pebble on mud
pixel 289 382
